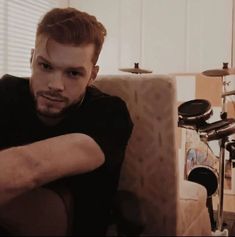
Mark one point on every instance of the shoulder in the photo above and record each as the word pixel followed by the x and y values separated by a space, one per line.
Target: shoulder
pixel 13 89
pixel 9 81
pixel 106 108
pixel 107 111
pixel 108 122
pixel 96 97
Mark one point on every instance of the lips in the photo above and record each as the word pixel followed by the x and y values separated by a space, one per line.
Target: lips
pixel 52 96
pixel 54 99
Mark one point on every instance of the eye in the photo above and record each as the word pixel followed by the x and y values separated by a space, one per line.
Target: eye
pixel 45 66
pixel 74 74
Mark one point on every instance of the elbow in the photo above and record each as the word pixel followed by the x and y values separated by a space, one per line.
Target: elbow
pixel 100 159
pixel 95 154
pixel 91 155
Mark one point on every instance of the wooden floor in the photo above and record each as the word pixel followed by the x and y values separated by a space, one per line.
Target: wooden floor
pixel 228 212
pixel 229 203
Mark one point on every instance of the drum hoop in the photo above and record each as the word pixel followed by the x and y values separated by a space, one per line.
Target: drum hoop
pixel 231 125
pixel 190 102
pixel 214 171
pixel 229 121
pixel 205 135
pixel 196 117
pixel 204 166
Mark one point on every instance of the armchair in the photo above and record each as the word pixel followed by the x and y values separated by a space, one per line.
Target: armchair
pixel 167 204
pixel 152 198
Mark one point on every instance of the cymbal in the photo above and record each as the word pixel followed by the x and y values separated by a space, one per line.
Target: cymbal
pixel 220 72
pixel 136 69
pixel 231 71
pixel 216 72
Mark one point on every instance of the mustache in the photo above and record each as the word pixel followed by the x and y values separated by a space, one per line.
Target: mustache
pixel 52 94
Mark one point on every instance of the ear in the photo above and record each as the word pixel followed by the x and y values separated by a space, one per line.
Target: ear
pixel 94 73
pixel 31 57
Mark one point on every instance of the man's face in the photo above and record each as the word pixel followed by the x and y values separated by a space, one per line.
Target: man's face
pixel 60 75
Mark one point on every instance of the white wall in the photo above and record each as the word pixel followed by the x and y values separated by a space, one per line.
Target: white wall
pixel 108 12
pixel 170 36
pixel 164 41
pixel 163 35
pixel 62 3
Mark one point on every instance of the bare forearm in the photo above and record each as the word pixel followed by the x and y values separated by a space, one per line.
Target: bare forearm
pixel 26 167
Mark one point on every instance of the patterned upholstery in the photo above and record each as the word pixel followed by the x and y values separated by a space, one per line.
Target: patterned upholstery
pixel 150 168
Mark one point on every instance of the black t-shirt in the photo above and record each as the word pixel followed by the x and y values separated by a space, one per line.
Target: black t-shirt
pixel 103 117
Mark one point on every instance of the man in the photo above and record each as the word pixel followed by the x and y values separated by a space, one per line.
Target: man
pixel 59 131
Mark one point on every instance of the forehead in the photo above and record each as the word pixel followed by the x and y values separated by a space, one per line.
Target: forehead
pixel 65 55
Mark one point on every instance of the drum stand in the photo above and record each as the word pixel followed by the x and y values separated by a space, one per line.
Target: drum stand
pixel 195 120
pixel 220 231
pixel 219 224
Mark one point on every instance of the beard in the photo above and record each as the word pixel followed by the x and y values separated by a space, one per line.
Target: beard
pixel 50 110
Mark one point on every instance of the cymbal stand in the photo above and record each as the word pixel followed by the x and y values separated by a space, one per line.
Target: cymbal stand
pixel 219 223
pixel 223 114
pixel 219 230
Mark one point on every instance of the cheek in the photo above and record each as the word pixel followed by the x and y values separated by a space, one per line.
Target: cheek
pixel 36 84
pixel 38 78
pixel 74 93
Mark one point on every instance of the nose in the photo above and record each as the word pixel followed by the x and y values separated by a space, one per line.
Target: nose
pixel 56 82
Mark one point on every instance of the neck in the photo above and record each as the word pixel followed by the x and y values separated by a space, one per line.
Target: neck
pixel 49 121
pixel 52 121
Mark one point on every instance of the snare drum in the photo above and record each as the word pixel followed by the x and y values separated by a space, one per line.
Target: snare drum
pixel 217 130
pixel 201 167
pixel 206 176
pixel 193 114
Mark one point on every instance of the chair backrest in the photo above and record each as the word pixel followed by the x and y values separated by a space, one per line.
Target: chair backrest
pixel 150 168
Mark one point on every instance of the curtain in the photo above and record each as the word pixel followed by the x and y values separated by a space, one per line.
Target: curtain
pixel 18 22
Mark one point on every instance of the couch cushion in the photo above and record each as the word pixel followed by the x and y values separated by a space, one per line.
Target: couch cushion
pixel 193 212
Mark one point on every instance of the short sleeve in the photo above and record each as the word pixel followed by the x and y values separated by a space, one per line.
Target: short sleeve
pixel 108 122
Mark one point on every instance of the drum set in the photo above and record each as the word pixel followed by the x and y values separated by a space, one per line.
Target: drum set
pixel 194 114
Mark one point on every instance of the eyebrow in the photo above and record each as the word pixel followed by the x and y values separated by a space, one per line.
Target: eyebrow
pixel 79 68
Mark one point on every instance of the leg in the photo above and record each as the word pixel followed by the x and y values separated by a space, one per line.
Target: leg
pixel 39 212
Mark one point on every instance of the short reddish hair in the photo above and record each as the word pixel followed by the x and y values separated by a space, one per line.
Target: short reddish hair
pixel 71 26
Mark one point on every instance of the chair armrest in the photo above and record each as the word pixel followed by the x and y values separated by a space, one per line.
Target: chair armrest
pixel 127 214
